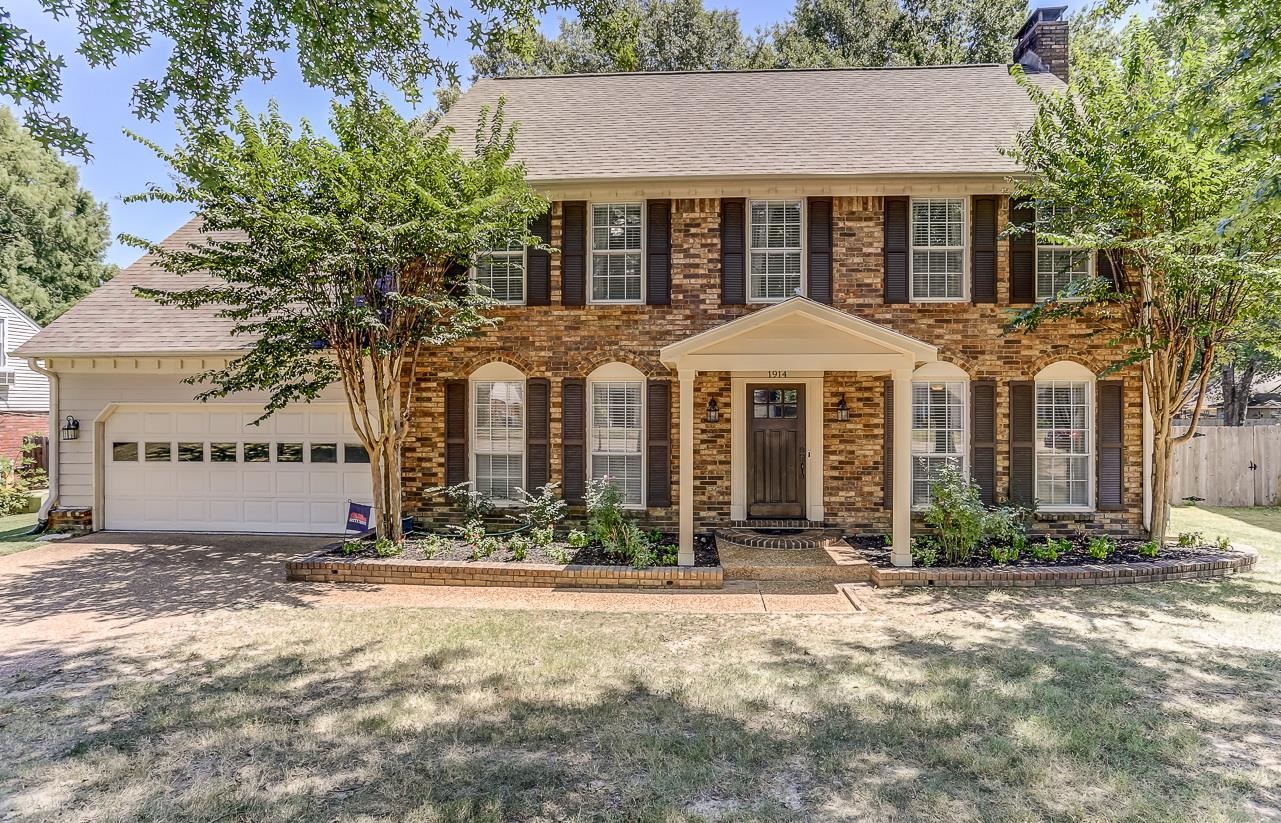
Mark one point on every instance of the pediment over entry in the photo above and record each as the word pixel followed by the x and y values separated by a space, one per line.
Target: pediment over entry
pixel 798 334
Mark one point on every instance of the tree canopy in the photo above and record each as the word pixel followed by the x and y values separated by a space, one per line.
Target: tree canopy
pixel 53 234
pixel 343 261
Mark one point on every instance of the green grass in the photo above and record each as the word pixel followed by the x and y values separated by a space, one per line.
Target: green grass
pixel 14 535
pixel 1131 703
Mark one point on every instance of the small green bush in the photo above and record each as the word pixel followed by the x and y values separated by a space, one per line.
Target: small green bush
pixel 541 536
pixel 473 504
pixel 1003 555
pixel 577 539
pixel 1224 543
pixel 386 547
pixel 1149 549
pixel 607 523
pixel 17 480
pixel 485 547
pixel 925 551
pixel 1190 540
pixel 350 547
pixel 471 532
pixel 559 554
pixel 519 547
pixel 668 555
pixel 956 512
pixel 431 545
pixel 544 509
pixel 1052 549
pixel 1101 547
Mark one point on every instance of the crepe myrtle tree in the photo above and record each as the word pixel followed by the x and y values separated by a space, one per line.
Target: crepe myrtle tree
pixel 342 260
pixel 1117 166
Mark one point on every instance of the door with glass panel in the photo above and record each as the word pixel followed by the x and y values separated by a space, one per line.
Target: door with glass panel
pixel 776 451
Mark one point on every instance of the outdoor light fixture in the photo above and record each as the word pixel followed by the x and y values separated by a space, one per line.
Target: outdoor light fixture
pixel 842 410
pixel 713 411
pixel 71 429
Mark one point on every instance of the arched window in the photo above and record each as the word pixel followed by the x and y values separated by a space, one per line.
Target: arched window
pixel 615 429
pixel 1064 437
pixel 498 431
pixel 939 431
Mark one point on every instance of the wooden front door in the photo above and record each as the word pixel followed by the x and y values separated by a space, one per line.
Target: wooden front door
pixel 776 451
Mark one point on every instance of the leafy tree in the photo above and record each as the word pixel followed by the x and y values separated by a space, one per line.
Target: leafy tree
pixel 1118 165
pixel 214 46
pixel 53 234
pixel 1248 356
pixel 639 35
pixel 342 261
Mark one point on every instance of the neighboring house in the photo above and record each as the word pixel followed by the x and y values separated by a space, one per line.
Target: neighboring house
pixel 777 295
pixel 24 392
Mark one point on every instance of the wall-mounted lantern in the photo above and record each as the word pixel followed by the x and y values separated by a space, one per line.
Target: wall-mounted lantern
pixel 842 410
pixel 713 411
pixel 71 429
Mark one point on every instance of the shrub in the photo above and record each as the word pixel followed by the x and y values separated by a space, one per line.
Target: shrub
pixel 471 532
pixel 542 536
pixel 1101 547
pixel 1007 524
pixel 473 504
pixel 1224 543
pixel 542 510
pixel 577 539
pixel 485 547
pixel 1052 549
pixel 350 547
pixel 956 512
pixel 1005 554
pixel 559 554
pixel 924 551
pixel 431 545
pixel 1149 549
pixel 606 522
pixel 668 555
pixel 16 484
pixel 1190 540
pixel 519 547
pixel 643 556
pixel 386 547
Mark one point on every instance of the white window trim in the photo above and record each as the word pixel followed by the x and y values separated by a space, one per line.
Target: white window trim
pixel 524 277
pixel 804 249
pixel 925 377
pixel 965 251
pixel 496 372
pixel 4 343
pixel 592 252
pixel 1067 371
pixel 620 373
pixel 1089 265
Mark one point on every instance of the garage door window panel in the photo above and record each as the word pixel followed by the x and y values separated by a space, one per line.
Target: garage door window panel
pixel 159 452
pixel 257 452
pixel 354 453
pixel 223 452
pixel 191 452
pixel 124 452
pixel 289 452
pixel 324 452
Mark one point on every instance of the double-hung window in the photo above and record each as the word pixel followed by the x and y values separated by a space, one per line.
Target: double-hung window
pixel 938 434
pixel 938 249
pixel 775 272
pixel 1063 444
pixel 499 438
pixel 616 252
pixel 501 271
pixel 616 436
pixel 1058 267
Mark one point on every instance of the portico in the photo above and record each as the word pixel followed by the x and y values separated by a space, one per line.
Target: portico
pixel 777 358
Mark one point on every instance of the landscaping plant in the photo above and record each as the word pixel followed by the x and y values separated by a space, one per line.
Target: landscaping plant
pixel 386 547
pixel 542 536
pixel 607 523
pixel 957 514
pixel 519 547
pixel 1101 547
pixel 577 539
pixel 924 551
pixel 1052 549
pixel 471 532
pixel 558 554
pixel 1190 540
pixel 473 504
pixel 1149 549
pixel 546 509
pixel 1224 543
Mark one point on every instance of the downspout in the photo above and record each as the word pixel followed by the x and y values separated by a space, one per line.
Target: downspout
pixel 55 414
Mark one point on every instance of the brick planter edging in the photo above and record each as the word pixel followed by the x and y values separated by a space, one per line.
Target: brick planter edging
pixel 324 568
pixel 1240 559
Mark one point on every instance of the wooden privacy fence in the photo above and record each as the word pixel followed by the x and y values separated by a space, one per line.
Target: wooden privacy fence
pixel 1229 466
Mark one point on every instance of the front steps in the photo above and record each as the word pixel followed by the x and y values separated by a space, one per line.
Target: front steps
pixel 812 555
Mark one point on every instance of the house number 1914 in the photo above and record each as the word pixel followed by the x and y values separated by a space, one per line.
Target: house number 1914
pixel 775 375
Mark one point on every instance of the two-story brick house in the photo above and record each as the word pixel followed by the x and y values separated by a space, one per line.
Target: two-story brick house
pixel 775 295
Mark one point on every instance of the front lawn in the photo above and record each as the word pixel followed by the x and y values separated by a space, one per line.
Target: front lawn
pixel 15 533
pixel 1142 703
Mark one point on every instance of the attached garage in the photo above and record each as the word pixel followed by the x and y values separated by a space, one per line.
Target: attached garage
pixel 198 467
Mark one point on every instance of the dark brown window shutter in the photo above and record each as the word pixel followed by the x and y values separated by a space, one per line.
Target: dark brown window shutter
pixel 983 438
pixel 1103 268
pixel 658 436
pixel 538 439
pixel 819 250
pixel 1023 254
pixel 887 448
pixel 573 438
pixel 658 252
pixel 896 249
pixel 1111 423
pixel 455 432
pixel 983 263
pixel 573 253
pixel 538 265
pixel 1022 442
pixel 733 251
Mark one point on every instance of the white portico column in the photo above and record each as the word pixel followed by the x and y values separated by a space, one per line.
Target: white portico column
pixel 686 488
pixel 902 534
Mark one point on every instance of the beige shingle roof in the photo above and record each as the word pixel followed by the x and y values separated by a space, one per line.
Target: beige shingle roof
pixel 931 120
pixel 110 320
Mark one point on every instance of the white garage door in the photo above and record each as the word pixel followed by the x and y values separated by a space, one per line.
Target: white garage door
pixel 197 468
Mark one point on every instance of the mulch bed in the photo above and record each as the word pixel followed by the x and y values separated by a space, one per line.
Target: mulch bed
pixel 874 550
pixel 593 554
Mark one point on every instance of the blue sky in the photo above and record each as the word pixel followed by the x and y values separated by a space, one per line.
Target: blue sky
pixel 98 102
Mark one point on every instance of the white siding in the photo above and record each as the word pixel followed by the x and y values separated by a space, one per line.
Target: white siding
pixel 84 395
pixel 30 391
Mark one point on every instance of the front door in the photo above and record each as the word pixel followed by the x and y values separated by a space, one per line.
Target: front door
pixel 776 451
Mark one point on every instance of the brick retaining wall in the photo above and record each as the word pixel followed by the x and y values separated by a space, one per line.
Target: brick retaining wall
pixel 1218 565
pixel 329 569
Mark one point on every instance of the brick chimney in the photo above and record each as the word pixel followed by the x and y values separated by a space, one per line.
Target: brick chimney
pixel 1042 43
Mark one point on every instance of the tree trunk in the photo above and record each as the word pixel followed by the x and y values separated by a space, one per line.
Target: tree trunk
pixel 1162 449
pixel 1228 385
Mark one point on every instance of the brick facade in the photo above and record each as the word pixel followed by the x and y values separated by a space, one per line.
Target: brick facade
pixel 14 427
pixel 570 341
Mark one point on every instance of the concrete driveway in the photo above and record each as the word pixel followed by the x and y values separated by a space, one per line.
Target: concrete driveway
pixel 114 583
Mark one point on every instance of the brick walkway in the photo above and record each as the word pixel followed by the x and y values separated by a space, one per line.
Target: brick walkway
pixel 111 583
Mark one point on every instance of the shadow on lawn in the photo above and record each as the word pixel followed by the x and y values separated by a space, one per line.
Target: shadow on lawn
pixel 1025 725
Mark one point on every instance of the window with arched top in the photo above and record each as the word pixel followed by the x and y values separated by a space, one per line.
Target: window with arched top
pixel 498 431
pixel 615 429
pixel 939 433
pixel 1064 437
